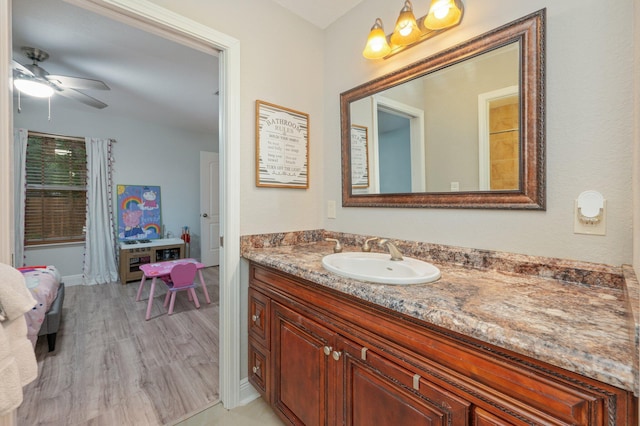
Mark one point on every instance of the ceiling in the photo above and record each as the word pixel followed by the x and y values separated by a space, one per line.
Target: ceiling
pixel 151 78
pixel 321 13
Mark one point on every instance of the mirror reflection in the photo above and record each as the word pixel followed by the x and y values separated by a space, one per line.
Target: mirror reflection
pixel 456 129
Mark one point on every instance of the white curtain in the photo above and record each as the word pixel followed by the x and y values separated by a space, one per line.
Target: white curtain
pixel 20 137
pixel 100 256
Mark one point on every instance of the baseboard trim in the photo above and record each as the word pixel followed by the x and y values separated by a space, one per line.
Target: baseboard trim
pixel 71 280
pixel 247 392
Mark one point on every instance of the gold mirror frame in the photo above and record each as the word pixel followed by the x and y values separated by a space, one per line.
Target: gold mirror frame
pixel 529 32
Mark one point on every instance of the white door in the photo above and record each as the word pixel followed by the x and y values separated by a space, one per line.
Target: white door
pixel 209 208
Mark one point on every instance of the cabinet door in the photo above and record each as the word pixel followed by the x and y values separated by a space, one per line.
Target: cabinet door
pixel 300 367
pixel 377 391
pixel 259 369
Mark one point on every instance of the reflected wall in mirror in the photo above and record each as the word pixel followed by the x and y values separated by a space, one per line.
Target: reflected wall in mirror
pixel 463 128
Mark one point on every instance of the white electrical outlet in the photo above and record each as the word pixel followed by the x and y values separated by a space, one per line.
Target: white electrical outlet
pixel 589 226
pixel 331 209
pixel 455 186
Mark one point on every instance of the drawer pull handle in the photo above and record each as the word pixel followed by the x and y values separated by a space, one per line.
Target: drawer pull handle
pixel 327 350
pixel 336 355
pixel 416 381
pixel 363 354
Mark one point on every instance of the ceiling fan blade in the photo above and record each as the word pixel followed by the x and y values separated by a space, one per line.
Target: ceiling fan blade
pixel 77 82
pixel 22 69
pixel 81 97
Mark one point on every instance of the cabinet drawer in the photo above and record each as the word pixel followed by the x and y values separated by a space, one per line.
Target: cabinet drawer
pixel 483 418
pixel 524 392
pixel 259 369
pixel 379 391
pixel 259 317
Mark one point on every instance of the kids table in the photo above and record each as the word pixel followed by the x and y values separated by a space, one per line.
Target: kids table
pixel 163 269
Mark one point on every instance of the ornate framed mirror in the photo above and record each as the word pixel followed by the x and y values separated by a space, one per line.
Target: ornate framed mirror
pixel 464 128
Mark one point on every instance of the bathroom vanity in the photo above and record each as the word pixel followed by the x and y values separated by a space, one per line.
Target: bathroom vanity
pixel 479 346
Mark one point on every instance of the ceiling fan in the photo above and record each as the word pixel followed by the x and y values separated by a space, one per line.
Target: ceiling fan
pixel 33 74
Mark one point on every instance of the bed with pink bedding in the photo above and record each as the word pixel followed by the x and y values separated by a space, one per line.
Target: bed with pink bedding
pixel 44 282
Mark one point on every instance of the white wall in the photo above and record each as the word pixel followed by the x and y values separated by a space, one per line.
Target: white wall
pixel 145 154
pixel 635 185
pixel 590 123
pixel 282 62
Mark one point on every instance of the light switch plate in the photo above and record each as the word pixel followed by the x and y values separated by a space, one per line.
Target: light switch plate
pixel 331 209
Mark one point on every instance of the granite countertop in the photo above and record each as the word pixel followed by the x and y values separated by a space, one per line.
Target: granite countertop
pixel 590 329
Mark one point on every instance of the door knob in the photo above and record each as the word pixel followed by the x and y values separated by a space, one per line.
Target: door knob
pixel 327 350
pixel 336 355
pixel 205 215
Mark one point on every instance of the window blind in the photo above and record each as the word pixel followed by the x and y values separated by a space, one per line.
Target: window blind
pixel 56 192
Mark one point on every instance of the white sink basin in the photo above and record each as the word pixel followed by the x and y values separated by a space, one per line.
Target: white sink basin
pixel 379 268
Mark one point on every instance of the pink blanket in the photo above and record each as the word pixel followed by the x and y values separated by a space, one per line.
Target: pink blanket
pixel 43 282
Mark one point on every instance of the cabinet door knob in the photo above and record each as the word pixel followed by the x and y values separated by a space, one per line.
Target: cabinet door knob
pixel 327 350
pixel 336 355
pixel 255 318
pixel 256 368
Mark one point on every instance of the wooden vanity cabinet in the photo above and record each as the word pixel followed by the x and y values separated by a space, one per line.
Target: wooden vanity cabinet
pixel 321 377
pixel 320 357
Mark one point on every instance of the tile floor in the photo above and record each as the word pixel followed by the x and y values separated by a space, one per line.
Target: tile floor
pixel 256 413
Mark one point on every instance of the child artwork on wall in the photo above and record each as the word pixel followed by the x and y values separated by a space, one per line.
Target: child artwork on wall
pixel 139 214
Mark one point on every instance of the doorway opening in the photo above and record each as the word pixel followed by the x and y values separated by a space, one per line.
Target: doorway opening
pixel 173 26
pixel 398 145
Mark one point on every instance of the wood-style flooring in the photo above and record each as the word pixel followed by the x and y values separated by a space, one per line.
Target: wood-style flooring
pixel 111 367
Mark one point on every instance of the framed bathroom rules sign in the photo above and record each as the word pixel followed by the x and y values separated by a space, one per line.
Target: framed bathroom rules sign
pixel 282 147
pixel 359 157
pixel 139 213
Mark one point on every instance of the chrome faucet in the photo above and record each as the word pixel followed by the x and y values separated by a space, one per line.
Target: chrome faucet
pixel 393 250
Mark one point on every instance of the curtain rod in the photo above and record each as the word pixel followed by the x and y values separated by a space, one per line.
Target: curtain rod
pixel 71 138
pixel 50 135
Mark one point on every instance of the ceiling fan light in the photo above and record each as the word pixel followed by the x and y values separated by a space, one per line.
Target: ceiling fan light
pixel 443 14
pixel 33 88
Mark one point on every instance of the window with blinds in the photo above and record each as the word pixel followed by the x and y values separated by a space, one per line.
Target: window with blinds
pixel 56 197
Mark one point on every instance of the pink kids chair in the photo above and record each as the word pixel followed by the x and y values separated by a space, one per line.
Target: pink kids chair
pixel 182 277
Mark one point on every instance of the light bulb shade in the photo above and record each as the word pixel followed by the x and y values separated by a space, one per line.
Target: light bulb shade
pixel 33 88
pixel 406 30
pixel 377 46
pixel 443 14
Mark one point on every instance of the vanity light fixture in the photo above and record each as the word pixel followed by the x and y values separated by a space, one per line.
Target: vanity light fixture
pixel 406 31
pixel 377 45
pixel 442 15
